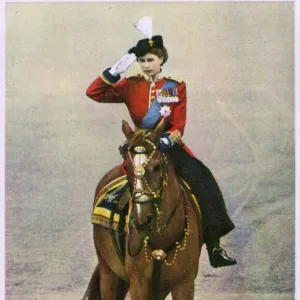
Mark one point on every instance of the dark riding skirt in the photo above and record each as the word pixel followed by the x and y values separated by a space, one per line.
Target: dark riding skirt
pixel 205 188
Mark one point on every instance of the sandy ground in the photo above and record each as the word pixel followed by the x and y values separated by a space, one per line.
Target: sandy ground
pixel 237 61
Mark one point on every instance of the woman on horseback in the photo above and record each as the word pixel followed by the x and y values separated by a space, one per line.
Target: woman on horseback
pixel 150 97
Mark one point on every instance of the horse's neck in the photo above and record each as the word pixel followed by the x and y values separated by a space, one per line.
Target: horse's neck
pixel 172 191
pixel 172 211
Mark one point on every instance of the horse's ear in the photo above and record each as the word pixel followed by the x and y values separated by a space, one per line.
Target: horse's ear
pixel 159 130
pixel 128 132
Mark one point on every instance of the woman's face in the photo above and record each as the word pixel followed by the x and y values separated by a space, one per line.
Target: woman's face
pixel 150 64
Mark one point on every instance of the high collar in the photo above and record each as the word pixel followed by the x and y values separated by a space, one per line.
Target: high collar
pixel 158 77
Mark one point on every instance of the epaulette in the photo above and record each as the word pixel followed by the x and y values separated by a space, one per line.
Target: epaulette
pixel 133 76
pixel 173 78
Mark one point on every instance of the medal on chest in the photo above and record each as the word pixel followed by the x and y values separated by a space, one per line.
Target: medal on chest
pixel 165 111
pixel 168 95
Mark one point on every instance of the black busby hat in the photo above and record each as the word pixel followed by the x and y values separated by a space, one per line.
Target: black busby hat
pixel 143 46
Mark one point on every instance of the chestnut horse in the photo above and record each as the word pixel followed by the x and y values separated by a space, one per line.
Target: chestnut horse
pixel 164 236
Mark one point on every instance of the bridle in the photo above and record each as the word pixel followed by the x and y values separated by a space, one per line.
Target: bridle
pixel 139 172
pixel 156 195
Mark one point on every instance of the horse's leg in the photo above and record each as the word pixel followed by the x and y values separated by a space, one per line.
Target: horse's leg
pixel 184 291
pixel 142 293
pixel 139 289
pixel 93 289
pixel 111 287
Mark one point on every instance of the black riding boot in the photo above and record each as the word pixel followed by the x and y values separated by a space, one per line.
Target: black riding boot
pixel 217 255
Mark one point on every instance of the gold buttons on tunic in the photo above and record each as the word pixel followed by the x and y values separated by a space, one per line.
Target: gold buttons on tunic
pixel 152 93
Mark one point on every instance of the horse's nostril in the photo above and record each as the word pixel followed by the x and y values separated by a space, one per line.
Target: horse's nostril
pixel 143 223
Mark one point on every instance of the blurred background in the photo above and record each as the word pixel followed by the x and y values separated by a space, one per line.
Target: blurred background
pixel 237 59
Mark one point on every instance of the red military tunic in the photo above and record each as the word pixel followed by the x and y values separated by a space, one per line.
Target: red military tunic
pixel 138 92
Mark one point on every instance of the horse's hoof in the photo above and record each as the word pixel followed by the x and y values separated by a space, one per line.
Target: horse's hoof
pixel 219 258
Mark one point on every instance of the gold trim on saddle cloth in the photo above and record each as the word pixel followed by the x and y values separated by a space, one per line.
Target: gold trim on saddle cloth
pixel 102 215
pixel 114 183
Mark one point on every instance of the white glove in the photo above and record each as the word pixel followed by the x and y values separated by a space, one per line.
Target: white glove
pixel 122 64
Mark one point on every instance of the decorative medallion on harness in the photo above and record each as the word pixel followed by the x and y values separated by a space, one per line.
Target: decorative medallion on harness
pixel 139 171
pixel 159 254
pixel 139 149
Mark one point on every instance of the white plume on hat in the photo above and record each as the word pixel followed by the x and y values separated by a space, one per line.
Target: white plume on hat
pixel 144 25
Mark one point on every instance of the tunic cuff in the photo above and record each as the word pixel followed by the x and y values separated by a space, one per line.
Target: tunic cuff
pixel 174 135
pixel 108 78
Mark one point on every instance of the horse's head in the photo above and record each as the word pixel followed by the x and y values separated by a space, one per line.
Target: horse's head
pixel 146 171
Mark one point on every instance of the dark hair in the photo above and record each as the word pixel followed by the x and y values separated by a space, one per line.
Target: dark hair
pixel 159 52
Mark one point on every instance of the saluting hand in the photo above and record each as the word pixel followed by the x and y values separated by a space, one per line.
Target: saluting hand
pixel 122 64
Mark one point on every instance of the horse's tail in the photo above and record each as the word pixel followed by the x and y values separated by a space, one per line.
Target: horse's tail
pixel 93 290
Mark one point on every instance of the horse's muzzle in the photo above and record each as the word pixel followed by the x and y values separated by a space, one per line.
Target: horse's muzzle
pixel 143 224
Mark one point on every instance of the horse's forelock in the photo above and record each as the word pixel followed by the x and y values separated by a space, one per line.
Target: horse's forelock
pixel 139 137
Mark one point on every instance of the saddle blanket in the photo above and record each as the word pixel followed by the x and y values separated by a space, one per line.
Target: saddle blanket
pixel 111 205
pixel 106 210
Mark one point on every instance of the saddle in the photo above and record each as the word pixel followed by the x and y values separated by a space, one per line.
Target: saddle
pixel 112 204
